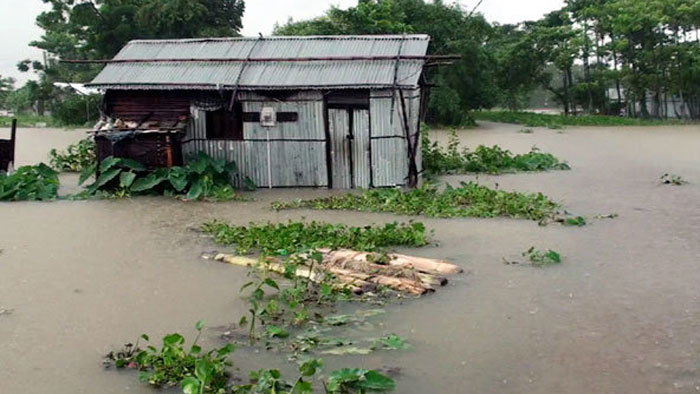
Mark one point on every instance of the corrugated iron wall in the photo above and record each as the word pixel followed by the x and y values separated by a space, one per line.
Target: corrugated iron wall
pixel 297 150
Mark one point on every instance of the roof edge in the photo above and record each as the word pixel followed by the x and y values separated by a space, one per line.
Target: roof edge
pixel 406 37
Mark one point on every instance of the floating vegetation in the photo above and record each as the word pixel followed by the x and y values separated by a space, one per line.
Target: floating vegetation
pixel 672 179
pixel 484 159
pixel 29 183
pixel 294 237
pixel 468 200
pixel 199 372
pixel 538 258
pixel 76 157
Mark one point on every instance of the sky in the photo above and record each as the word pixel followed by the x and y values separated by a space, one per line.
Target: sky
pixel 17 27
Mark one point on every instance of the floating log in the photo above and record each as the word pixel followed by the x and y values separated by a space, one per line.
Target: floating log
pixel 408 274
pixel 355 285
pixel 421 264
pixel 384 270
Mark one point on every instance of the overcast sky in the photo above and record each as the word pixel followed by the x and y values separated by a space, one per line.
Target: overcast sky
pixel 17 27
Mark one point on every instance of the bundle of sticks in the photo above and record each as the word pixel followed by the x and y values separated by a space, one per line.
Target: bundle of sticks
pixel 362 272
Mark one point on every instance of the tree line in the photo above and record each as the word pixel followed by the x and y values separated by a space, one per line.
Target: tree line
pixel 637 58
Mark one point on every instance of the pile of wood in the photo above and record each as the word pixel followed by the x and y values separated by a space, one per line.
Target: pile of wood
pixel 362 272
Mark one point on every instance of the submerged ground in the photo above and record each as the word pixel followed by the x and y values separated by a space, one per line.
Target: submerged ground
pixel 621 314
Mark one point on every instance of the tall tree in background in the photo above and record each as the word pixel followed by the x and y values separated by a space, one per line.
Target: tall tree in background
pixel 98 29
pixel 466 85
pixel 7 85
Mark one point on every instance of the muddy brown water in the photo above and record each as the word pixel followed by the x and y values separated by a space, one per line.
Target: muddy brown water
pixel 621 314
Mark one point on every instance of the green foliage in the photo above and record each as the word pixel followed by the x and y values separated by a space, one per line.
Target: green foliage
pixel 575 221
pixel 202 178
pixel 295 237
pixel 76 157
pixel 39 182
pixel 74 109
pixel 672 179
pixel 469 199
pixel 194 371
pixel 493 160
pixel 26 120
pixel 532 119
pixel 465 85
pixel 354 380
pixel 540 258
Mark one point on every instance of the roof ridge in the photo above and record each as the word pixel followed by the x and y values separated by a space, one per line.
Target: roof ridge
pixel 377 37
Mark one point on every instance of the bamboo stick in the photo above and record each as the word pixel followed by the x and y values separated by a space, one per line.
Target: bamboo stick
pixel 356 285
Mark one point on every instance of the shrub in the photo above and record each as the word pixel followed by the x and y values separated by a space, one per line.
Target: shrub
pixel 76 157
pixel 75 109
pixel 201 178
pixel 39 182
pixel 493 160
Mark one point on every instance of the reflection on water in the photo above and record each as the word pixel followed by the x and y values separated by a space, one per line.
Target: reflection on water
pixel 620 315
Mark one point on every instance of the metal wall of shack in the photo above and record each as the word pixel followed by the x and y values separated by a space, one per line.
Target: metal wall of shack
pixel 294 154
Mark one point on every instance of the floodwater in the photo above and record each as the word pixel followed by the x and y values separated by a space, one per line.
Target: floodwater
pixel 621 314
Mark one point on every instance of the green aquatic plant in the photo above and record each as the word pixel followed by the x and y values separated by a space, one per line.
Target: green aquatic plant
pixel 76 157
pixel 293 237
pixel 468 200
pixel 483 159
pixel 540 258
pixel 175 365
pixel 29 183
pixel 673 179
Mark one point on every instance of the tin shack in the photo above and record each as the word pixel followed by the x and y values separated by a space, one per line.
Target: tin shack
pixel 319 111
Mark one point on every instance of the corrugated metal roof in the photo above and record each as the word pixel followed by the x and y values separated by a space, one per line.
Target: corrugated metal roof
pixel 267 74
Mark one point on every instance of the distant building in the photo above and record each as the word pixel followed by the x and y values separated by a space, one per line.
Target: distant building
pixel 320 111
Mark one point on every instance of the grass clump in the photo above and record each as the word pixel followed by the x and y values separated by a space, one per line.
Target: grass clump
pixel 531 119
pixel 468 200
pixel 76 157
pixel 29 183
pixel 295 237
pixel 492 160
pixel 28 120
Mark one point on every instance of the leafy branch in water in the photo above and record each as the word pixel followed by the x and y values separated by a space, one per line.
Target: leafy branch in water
pixel 538 257
pixel 469 199
pixel 76 157
pixel 201 178
pixel 39 182
pixel 492 160
pixel 197 372
pixel 295 237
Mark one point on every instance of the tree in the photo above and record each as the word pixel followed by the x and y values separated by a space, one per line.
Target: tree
pixel 465 86
pixel 6 87
pixel 98 29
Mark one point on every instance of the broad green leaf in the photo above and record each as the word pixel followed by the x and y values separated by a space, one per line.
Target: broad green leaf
pixel 132 164
pixel 178 178
pixel 86 173
pixel 375 381
pixel 105 177
pixel 108 163
pixel 196 190
pixel 273 331
pixel 126 179
pixel 190 385
pixel 146 183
